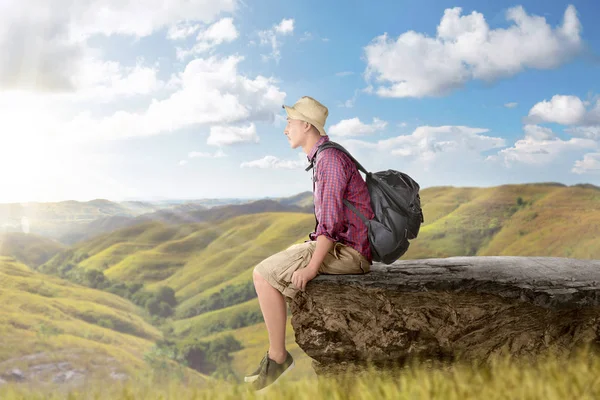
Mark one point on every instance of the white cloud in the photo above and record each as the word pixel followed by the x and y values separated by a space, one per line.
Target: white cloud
pixel 47 41
pixel 564 110
pixel 285 26
pixel 511 105
pixel 540 146
pixel 228 135
pixel 137 17
pixel 198 154
pixel 183 162
pixel 586 132
pixel 589 164
pixel 426 142
pixel 104 81
pixel 182 30
pixel 307 36
pixel 226 99
pixel 537 132
pixel 581 116
pixel 220 32
pixel 466 48
pixel 273 162
pixel 350 102
pixel 353 127
pixel 425 147
pixel 271 37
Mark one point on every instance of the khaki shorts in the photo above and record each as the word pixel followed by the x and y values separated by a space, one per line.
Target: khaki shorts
pixel 279 268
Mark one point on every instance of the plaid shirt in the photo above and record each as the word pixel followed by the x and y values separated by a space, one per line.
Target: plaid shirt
pixel 336 178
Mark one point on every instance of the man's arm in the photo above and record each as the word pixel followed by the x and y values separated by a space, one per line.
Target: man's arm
pixel 302 276
pixel 332 180
pixel 324 245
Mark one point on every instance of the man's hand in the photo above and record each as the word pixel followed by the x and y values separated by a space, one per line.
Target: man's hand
pixel 301 277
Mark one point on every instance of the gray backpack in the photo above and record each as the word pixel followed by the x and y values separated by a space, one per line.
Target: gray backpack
pixel 397 207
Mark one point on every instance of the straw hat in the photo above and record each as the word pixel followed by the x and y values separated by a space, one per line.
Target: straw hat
pixel 309 110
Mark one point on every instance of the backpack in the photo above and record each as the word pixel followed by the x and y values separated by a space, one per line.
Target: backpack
pixel 396 204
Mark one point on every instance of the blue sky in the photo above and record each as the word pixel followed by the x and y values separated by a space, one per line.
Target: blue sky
pixel 140 102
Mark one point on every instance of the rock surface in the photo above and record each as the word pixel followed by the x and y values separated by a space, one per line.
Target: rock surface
pixel 448 308
pixel 44 369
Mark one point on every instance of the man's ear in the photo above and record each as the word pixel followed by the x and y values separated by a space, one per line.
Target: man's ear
pixel 307 126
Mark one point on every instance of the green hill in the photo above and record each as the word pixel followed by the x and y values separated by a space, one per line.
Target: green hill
pixel 303 200
pixel 46 321
pixel 209 264
pixel 32 250
pixel 190 258
pixel 521 220
pixel 181 214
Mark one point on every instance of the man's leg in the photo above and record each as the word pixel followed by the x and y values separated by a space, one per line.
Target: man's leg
pixel 273 307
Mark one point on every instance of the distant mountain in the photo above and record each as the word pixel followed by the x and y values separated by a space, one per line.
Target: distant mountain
pixel 83 231
pixel 32 250
pixel 303 200
pixel 55 219
pixel 181 214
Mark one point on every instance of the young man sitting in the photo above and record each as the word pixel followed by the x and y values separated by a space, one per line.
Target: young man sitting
pixel 339 244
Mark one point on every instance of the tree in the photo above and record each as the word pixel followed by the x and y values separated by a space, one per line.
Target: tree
pixel 167 294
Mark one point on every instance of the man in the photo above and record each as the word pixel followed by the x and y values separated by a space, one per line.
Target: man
pixel 339 244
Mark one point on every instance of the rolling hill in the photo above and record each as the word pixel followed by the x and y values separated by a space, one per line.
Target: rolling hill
pixel 52 329
pixel 32 250
pixel 209 264
pixel 181 214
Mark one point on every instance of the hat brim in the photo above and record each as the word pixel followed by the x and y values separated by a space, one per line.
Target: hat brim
pixel 295 114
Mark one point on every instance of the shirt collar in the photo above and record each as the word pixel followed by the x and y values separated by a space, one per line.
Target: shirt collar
pixel 313 152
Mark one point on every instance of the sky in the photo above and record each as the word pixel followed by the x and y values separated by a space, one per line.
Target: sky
pixel 181 99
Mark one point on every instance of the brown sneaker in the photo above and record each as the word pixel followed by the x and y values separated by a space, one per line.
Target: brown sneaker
pixel 272 371
pixel 254 375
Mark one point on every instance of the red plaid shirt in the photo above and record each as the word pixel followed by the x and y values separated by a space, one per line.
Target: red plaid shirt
pixel 337 178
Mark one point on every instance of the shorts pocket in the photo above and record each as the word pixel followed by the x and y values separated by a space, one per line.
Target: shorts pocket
pixel 283 274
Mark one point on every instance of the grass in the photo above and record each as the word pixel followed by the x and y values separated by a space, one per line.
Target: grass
pixel 254 340
pixel 197 260
pixel 551 221
pixel 217 320
pixel 190 258
pixel 58 320
pixel 548 377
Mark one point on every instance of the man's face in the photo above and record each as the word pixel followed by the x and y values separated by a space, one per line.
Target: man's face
pixel 294 130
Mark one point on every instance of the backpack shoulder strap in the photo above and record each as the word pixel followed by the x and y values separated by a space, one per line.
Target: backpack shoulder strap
pixel 340 148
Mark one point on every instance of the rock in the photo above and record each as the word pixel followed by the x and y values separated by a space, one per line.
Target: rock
pixel 69 376
pixel 14 375
pixel 2 381
pixel 118 376
pixel 446 309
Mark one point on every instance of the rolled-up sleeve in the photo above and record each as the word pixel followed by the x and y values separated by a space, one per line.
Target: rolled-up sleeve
pixel 332 179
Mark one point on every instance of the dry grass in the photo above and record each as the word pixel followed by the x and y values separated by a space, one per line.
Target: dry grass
pixel 549 378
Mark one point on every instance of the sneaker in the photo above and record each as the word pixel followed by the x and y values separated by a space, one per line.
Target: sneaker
pixel 254 375
pixel 271 372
